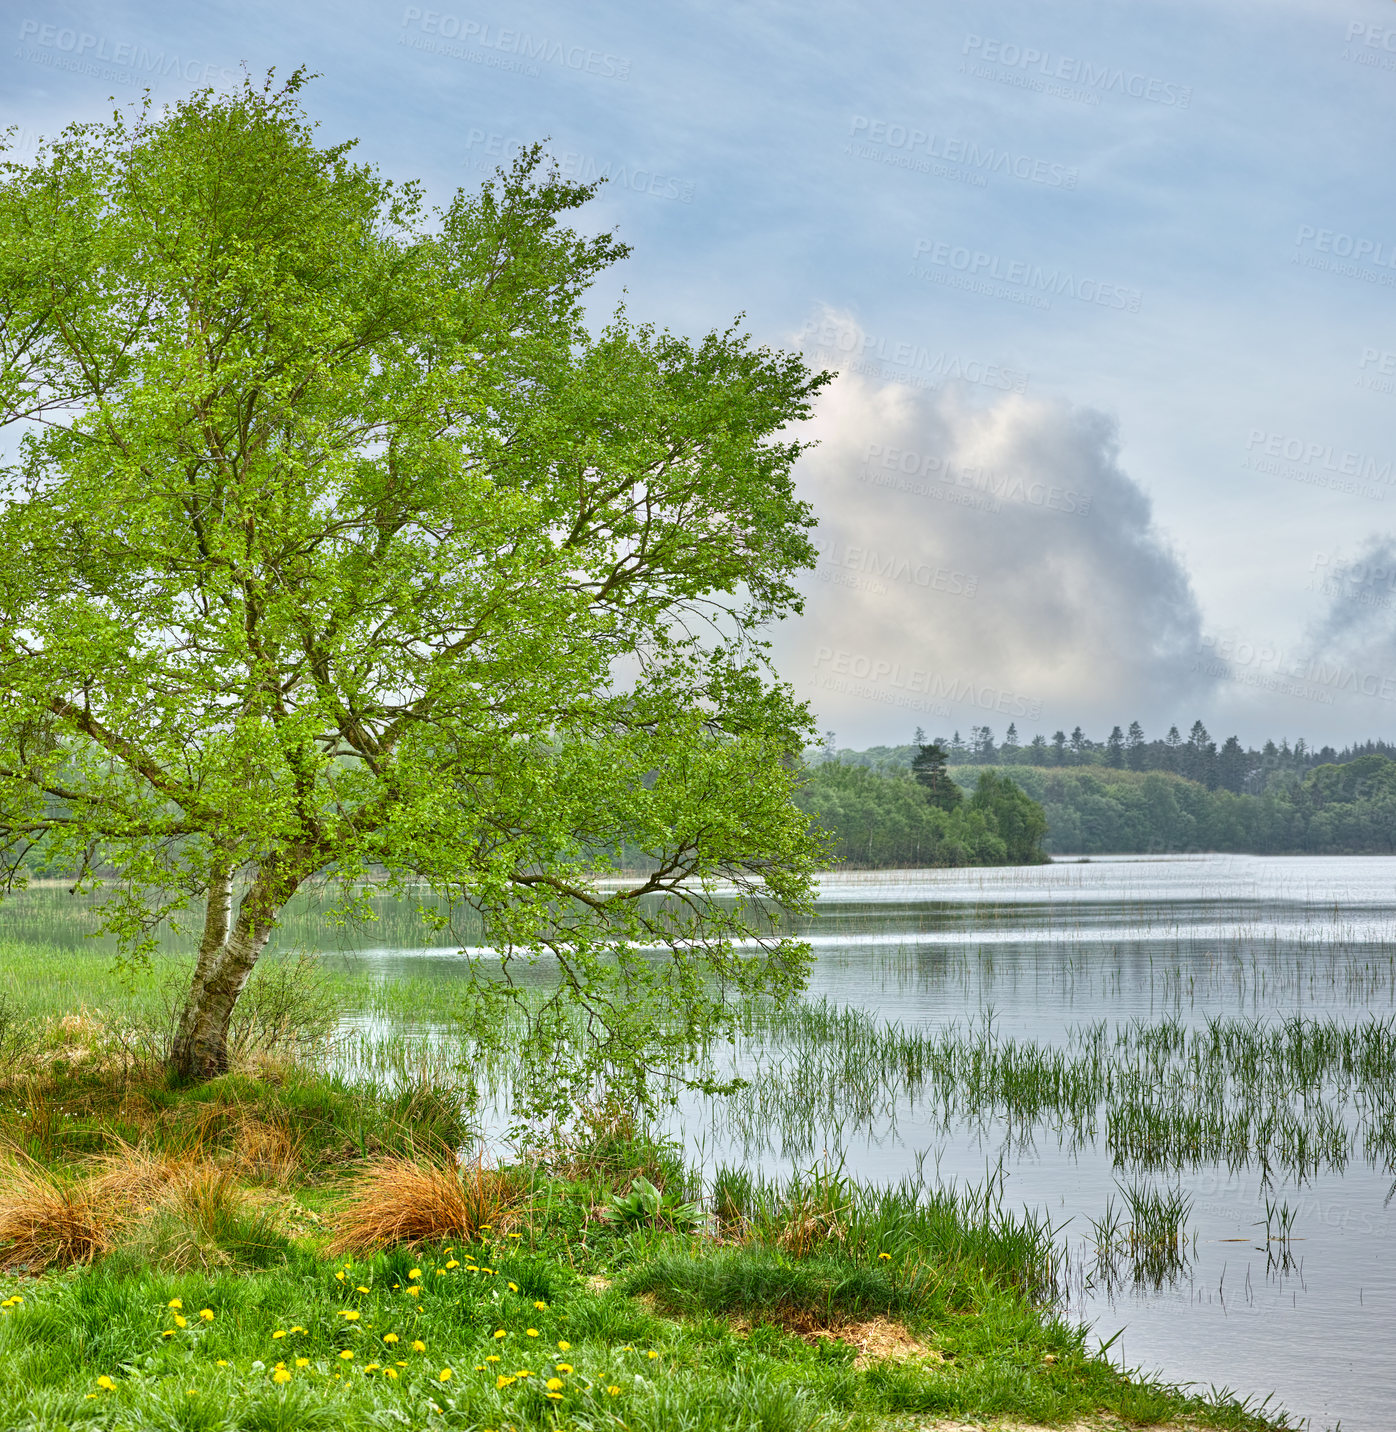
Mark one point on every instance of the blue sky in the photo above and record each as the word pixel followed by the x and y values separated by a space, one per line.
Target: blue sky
pixel 1111 289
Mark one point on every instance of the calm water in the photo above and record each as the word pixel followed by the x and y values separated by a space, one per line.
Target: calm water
pixel 1044 950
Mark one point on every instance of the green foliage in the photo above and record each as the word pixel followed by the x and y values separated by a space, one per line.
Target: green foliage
pixel 1347 809
pixel 330 529
pixel 928 766
pixel 890 818
pixel 645 1205
pixel 1333 810
pixel 1018 819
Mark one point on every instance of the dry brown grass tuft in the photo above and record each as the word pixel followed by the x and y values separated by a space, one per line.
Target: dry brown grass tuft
pixel 177 1210
pixel 132 1178
pixel 45 1220
pixel 877 1339
pixel 266 1152
pixel 400 1201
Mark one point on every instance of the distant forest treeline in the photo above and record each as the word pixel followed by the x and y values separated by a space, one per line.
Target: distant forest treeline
pixel 1228 766
pixel 1346 807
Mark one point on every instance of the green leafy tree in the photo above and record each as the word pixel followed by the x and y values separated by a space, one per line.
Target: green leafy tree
pixel 336 545
pixel 1018 820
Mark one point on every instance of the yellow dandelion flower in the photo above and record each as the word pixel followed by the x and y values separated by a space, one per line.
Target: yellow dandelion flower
pixel 553 1396
pixel 614 1391
pixel 414 1272
pixel 444 1375
pixel 390 1372
pixel 346 1355
pixel 513 1287
pixel 350 1314
pixel 206 1314
pixel 479 1367
pixel 340 1276
pixel 454 1263
pixel 193 1392
pixel 493 1357
pixel 298 1329
pixel 302 1362
pixel 516 1235
pixel 885 1256
pixel 181 1321
pixel 279 1333
pixel 168 1333
pixel 222 1362
pixel 175 1303
pixel 414 1291
pixel 531 1332
pixel 440 1272
pixel 503 1380
pixel 540 1305
pixel 564 1345
pixel 563 1367
pixel 361 1289
pixel 651 1354
pixel 390 1337
pixel 402 1364
pixel 500 1333
pixel 371 1367
pixel 108 1384
pixel 553 1384
pixel 418 1345
pixel 281 1375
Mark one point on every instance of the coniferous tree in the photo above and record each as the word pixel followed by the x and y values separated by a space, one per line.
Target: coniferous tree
pixel 1059 748
pixel 1232 766
pixel 928 766
pixel 1115 748
pixel 1136 752
pixel 1172 746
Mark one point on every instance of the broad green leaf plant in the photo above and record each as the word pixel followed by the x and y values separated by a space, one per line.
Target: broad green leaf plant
pixel 336 548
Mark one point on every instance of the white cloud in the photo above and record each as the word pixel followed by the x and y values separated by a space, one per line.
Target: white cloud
pixel 984 557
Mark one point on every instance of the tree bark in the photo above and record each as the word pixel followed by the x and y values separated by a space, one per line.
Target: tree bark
pixel 227 956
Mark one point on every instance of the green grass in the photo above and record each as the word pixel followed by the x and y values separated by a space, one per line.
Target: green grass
pixel 712 1347
pixel 755 1320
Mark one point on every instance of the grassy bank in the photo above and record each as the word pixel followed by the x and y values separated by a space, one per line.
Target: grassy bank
pixel 282 1249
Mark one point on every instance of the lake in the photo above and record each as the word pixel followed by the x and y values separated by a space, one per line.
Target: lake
pixel 1215 960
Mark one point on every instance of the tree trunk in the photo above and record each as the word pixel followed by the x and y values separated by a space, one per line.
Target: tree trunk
pixel 226 958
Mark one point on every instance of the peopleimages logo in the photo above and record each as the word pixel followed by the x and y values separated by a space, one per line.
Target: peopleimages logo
pixel 1042 65
pixel 921 143
pixel 1035 283
pixel 1360 249
pixel 910 679
pixel 1308 453
pixel 61 47
pixel 452 36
